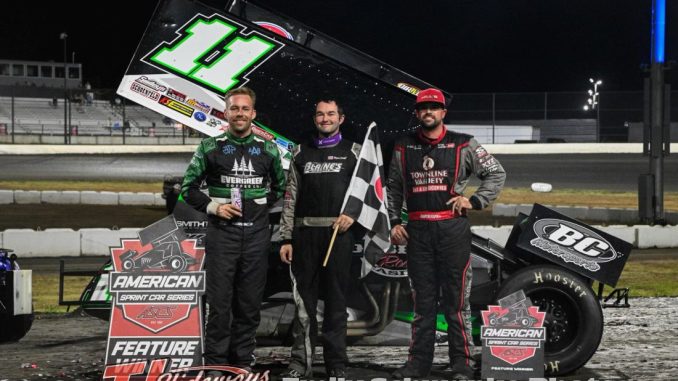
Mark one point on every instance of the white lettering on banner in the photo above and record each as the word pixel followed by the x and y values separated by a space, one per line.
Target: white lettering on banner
pixel 312 167
pixel 124 282
pixel 149 348
pixel 534 333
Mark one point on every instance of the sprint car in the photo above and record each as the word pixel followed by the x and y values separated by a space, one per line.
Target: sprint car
pixel 380 304
pixel 16 309
pixel 301 63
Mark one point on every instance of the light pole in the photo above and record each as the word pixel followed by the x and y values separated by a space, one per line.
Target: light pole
pixel 593 103
pixel 64 37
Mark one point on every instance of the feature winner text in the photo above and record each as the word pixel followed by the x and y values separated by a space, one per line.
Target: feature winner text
pixel 181 351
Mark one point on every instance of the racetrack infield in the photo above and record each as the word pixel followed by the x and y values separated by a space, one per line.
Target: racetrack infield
pixel 638 344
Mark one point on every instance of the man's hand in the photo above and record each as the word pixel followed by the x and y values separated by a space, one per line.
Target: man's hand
pixel 228 211
pixel 399 235
pixel 343 222
pixel 286 253
pixel 459 203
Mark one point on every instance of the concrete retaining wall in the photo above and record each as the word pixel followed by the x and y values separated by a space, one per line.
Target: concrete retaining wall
pixel 98 241
pixel 86 242
pixel 47 243
pixel 80 197
pixel 640 236
pixel 618 215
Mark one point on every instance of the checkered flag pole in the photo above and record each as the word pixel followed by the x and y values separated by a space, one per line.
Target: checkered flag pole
pixel 365 200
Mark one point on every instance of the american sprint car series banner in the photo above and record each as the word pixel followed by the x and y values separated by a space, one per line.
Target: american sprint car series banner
pixel 191 55
pixel 156 314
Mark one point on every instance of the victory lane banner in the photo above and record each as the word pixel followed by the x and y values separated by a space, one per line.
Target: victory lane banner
pixel 156 286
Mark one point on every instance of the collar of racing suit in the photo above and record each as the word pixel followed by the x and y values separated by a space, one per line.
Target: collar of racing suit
pixel 426 140
pixel 327 142
pixel 243 140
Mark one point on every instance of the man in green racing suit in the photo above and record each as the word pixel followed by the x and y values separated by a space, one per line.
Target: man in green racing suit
pixel 245 177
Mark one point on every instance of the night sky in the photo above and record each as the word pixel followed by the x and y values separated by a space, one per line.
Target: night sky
pixel 464 46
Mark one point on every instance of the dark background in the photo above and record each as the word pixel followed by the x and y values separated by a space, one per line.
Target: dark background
pixel 459 45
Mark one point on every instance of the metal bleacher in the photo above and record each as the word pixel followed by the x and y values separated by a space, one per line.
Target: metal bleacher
pixel 45 116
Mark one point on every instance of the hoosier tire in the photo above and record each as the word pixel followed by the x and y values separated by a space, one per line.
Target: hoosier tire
pixel 574 318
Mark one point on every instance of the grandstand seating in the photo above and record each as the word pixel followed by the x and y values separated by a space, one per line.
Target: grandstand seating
pixel 42 116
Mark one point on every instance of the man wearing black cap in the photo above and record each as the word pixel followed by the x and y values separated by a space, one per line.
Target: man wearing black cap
pixel 429 171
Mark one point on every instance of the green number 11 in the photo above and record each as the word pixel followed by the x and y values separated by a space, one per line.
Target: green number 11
pixel 207 55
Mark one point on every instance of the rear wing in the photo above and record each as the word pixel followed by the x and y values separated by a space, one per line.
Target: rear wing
pixel 191 54
pixel 573 244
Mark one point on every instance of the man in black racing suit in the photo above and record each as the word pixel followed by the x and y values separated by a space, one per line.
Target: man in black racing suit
pixel 238 236
pixel 429 171
pixel 319 177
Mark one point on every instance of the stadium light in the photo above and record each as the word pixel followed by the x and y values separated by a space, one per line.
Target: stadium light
pixel 63 36
pixel 593 103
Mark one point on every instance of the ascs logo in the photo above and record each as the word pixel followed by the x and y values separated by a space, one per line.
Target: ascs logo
pixel 572 243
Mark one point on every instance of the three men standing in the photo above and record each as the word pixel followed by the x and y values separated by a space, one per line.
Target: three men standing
pixel 319 176
pixel 245 177
pixel 429 171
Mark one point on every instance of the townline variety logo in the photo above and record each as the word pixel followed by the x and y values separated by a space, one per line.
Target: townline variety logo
pixel 513 332
pixel 572 243
pixel 430 180
pixel 213 51
pixel 156 286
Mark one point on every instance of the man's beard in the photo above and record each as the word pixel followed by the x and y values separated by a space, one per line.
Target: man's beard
pixel 430 127
pixel 433 124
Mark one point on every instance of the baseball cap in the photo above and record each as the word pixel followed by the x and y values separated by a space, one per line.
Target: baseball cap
pixel 430 95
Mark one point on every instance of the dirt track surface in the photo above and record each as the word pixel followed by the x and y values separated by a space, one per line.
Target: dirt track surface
pixel 639 343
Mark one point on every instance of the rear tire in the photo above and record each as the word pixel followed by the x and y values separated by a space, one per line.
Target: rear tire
pixel 574 318
pixel 13 328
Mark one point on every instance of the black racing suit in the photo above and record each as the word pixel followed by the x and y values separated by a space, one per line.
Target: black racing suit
pixel 424 175
pixel 317 184
pixel 236 250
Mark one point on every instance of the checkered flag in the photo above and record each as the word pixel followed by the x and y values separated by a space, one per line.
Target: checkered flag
pixel 365 200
